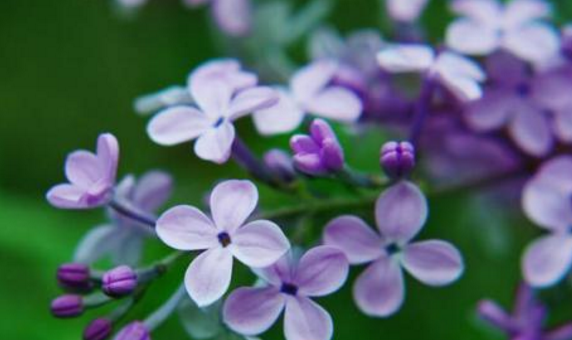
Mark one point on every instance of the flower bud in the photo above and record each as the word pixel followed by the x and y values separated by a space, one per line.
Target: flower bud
pixel 67 306
pixel 74 276
pixel 281 164
pixel 134 331
pixel 397 159
pixel 567 41
pixel 98 329
pixel 119 281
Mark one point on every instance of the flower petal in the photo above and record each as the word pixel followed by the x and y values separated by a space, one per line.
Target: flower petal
pixel 83 168
pixel 406 58
pixel 435 263
pixel 547 260
pixel 311 79
pixel 379 290
pixel 251 311
pixel 563 124
pixel 335 103
pixel 304 320
pixel 234 17
pixel 186 228
pixel 279 272
pixel 491 112
pixel 355 238
pixel 108 154
pixel 232 202
pixel 96 243
pixel 208 276
pixel 250 100
pixel 531 131
pixel 321 271
pixel 67 196
pixel 485 11
pixel 226 69
pixel 152 190
pixel 177 125
pixel 536 42
pixel 212 95
pixel 215 144
pixel 523 11
pixel 400 212
pixel 472 37
pixel 283 117
pixel 259 244
pixel 405 10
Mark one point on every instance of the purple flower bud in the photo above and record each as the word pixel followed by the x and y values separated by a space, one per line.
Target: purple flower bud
pixel 281 164
pixel 397 159
pixel 67 306
pixel 119 281
pixel 98 329
pixel 74 276
pixel 134 331
pixel 567 41
pixel 319 153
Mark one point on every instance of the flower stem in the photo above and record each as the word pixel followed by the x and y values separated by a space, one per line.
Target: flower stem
pixel 353 177
pixel 160 315
pixel 422 110
pixel 131 213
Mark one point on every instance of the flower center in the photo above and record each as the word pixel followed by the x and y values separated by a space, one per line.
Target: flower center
pixel 219 122
pixel 224 239
pixel 392 249
pixel 289 289
pixel 523 89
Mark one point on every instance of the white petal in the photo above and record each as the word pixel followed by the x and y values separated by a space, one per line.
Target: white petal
pixel 186 228
pixel 406 58
pixel 312 78
pixel 336 103
pixel 305 320
pixel 471 37
pixel 232 202
pixel 547 260
pixel 177 125
pixel 434 262
pixel 283 117
pixel 259 244
pixel 215 144
pixel 535 42
pixel 208 276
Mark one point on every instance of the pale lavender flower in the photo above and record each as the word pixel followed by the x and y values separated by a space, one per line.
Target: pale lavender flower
pixel 221 97
pixel 546 201
pixel 256 244
pixel 487 26
pixel 527 319
pixel 91 176
pixel 320 152
pixel 458 74
pixel 405 10
pixel 311 91
pixel 234 17
pixel 400 214
pixel 289 288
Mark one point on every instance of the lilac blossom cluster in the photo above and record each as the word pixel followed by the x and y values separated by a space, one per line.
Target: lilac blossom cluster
pixel 490 106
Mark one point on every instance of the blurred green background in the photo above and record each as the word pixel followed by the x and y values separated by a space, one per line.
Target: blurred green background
pixel 70 69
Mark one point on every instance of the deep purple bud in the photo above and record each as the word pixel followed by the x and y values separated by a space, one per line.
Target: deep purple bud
pixel 397 159
pixel 67 306
pixel 567 41
pixel 281 164
pixel 119 281
pixel 98 329
pixel 74 276
pixel 134 331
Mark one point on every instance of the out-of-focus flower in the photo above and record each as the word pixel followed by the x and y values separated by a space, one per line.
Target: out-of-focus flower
pixel 320 152
pixel 487 26
pixel 98 329
pixel 67 306
pixel 400 214
pixel 281 164
pixel 119 281
pixel 256 244
pixel 397 158
pixel 405 10
pixel 134 331
pixel 458 74
pixel 289 286
pixel 311 91
pixel 91 177
pixel 527 319
pixel 234 17
pixel 546 201
pixel 74 276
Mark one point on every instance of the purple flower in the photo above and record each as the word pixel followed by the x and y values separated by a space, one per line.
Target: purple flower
pixel 546 201
pixel 134 331
pixel 119 281
pixel 405 10
pixel 320 152
pixel 400 213
pixel 527 319
pixel 487 26
pixel 397 158
pixel 220 100
pixel 458 74
pixel 321 271
pixel 311 91
pixel 256 244
pixel 67 306
pixel 98 329
pixel 91 177
pixel 234 17
pixel 280 163
pixel 74 276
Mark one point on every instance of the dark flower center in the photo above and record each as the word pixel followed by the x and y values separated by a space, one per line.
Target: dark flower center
pixel 523 89
pixel 224 239
pixel 219 122
pixel 288 288
pixel 392 249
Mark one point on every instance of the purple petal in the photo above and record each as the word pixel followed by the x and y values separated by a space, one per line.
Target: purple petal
pixel 531 131
pixel 435 263
pixel 535 42
pixel 379 290
pixel 234 17
pixel 67 196
pixel 355 238
pixel 283 117
pixel 108 154
pixel 558 171
pixel 152 190
pixel 279 272
pixel 304 144
pixel 460 75
pixel 491 112
pixel 406 58
pixel 186 228
pixel 251 311
pixel 208 276
pixel 400 212
pixel 563 124
pixel 83 169
pixel 259 244
pixel 177 125
pixel 547 260
pixel 563 332
pixel 250 100
pixel 215 144
pixel 311 79
pixel 227 69
pixel 335 103
pixel 405 10
pixel 232 202
pixel 494 314
pixel 321 271
pixel 212 95
pixel 471 37
pixel 304 320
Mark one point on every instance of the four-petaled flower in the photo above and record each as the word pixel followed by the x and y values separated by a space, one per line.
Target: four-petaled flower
pixel 91 176
pixel 289 286
pixel 257 244
pixel 400 213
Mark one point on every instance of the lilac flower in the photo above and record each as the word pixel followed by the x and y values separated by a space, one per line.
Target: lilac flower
pixel 546 201
pixel 123 238
pixel 134 331
pixel 311 91
pixel 458 74
pixel 256 244
pixel 397 159
pixel 488 26
pixel 91 177
pixel 405 10
pixel 320 152
pixel 321 271
pixel 527 319
pixel 400 213
pixel 232 16
pixel 221 98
